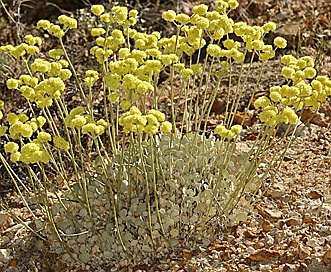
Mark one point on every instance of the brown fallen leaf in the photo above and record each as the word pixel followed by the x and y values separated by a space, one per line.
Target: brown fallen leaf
pixel 294 242
pixel 141 268
pixel 314 194
pixel 293 221
pixel 276 193
pixel 187 254
pixel 258 245
pixel 219 106
pixel 327 256
pixel 264 255
pixel 269 213
pixel 251 233
pixel 309 219
pixel 314 118
pixel 241 118
pixel 303 252
pixel 267 226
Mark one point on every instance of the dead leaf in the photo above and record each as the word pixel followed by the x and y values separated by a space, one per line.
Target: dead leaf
pixel 264 255
pixel 304 252
pixel 258 245
pixel 309 219
pixel 294 242
pixel 187 254
pixel 276 193
pixel 269 213
pixel 219 106
pixel 327 256
pixel 241 118
pixel 293 221
pixel 267 226
pixel 141 268
pixel 251 233
pixel 312 117
pixel 314 194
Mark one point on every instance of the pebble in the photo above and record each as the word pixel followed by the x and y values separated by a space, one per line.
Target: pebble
pixel 4 219
pixel 269 240
pixel 250 249
pixel 5 255
pixel 312 243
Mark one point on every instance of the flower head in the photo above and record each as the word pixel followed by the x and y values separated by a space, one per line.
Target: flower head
pixel 44 137
pixel 166 127
pixel 200 9
pixel 61 143
pixel 11 147
pixel 97 9
pixel 169 15
pixel 280 42
pixel 262 102
pixel 67 22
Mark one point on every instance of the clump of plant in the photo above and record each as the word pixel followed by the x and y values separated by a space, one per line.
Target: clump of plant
pixel 139 182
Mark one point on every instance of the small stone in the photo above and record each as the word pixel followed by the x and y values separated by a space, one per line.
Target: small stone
pixel 250 249
pixel 294 221
pixel 327 257
pixel 290 267
pixel 325 229
pixel 264 254
pixel 258 245
pixel 304 252
pixel 312 243
pixel 269 240
pixel 265 268
pixel 5 255
pixel 5 220
pixel 267 226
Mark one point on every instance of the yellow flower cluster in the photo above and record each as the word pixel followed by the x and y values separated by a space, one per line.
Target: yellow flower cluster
pixel 30 153
pixel 67 22
pixel 218 25
pixel 271 115
pixel 97 9
pixel 21 127
pixel 134 68
pixel 77 119
pixel 42 92
pixel 223 5
pixel 30 47
pixel 91 77
pixel 119 15
pixel 61 143
pixel 33 152
pixel 56 30
pixel 215 50
pixel 228 133
pixel 280 42
pixel 303 89
pixel 134 121
pixel 56 54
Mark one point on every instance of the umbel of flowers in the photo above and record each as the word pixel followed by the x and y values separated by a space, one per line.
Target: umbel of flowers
pixel 138 186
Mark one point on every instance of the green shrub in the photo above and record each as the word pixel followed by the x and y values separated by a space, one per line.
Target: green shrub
pixel 138 183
